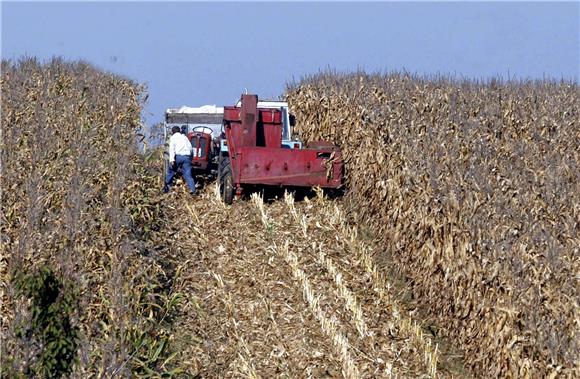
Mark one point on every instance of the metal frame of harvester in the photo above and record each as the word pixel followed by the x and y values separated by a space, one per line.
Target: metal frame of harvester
pixel 256 155
pixel 255 149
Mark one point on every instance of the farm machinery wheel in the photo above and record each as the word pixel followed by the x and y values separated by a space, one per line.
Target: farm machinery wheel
pixel 225 179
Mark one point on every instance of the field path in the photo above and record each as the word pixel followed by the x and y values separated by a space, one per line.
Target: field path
pixel 287 289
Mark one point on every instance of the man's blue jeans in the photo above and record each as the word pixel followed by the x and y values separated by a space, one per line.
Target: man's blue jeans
pixel 182 162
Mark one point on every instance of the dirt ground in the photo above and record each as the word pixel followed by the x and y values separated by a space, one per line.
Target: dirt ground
pixel 287 288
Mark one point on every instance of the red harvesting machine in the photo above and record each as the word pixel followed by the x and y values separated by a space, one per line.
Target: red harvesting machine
pixel 254 153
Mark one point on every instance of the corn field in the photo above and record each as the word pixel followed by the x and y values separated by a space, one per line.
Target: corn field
pixel 454 252
pixel 102 276
pixel 79 203
pixel 473 189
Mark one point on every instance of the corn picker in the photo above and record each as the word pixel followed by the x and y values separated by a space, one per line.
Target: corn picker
pixel 254 148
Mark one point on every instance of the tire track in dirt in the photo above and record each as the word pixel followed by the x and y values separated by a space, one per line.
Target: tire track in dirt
pixel 289 290
pixel 376 353
pixel 315 296
pixel 394 339
pixel 266 310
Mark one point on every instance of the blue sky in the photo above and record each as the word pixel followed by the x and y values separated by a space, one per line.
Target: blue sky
pixel 191 53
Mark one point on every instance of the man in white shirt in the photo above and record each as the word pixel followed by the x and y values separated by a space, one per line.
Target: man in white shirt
pixel 180 150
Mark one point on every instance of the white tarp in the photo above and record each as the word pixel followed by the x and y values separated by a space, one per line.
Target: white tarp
pixel 206 109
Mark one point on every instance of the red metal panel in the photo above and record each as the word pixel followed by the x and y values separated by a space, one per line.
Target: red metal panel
pixel 233 131
pixel 249 118
pixel 266 115
pixel 270 128
pixel 286 167
pixel 272 135
pixel 270 116
pixel 232 113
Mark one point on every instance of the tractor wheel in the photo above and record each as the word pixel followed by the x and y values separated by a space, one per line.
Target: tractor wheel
pixel 225 178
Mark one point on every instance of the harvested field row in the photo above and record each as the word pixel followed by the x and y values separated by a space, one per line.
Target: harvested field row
pixel 473 190
pixel 268 313
pixel 288 290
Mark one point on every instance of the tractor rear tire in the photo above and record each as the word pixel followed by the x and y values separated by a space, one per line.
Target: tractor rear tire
pixel 226 181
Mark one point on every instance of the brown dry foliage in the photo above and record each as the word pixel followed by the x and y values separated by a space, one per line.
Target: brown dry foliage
pixel 474 190
pixel 288 289
pixel 77 197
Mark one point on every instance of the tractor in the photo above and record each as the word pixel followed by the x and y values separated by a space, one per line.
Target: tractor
pixel 255 148
pixel 203 128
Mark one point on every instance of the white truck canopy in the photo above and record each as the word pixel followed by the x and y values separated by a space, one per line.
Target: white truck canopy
pixel 207 109
pixel 207 116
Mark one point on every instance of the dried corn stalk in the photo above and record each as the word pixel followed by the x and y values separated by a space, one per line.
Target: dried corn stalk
pixel 474 190
pixel 77 197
